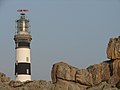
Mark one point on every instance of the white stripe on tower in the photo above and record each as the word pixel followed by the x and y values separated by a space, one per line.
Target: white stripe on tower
pixel 23 78
pixel 23 55
pixel 22 41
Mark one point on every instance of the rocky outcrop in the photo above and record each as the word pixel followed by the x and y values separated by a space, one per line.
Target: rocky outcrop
pixel 3 78
pixel 103 76
pixel 113 49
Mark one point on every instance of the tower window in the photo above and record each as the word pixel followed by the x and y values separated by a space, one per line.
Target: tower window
pixel 27 59
pixel 27 71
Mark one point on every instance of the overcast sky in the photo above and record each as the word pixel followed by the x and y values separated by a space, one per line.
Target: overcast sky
pixel 72 31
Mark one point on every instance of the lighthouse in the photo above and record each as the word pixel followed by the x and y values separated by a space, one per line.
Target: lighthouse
pixel 22 40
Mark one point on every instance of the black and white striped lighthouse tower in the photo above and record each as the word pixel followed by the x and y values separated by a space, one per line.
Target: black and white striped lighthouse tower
pixel 22 49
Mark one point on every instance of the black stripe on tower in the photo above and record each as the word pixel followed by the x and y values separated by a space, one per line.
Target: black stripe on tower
pixel 23 44
pixel 22 68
